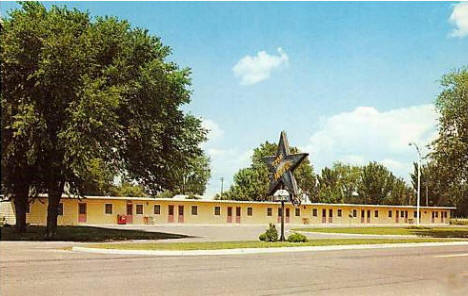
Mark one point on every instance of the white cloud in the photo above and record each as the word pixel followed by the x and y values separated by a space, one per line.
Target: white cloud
pixel 225 163
pixel 366 134
pixel 254 69
pixel 214 131
pixel 459 18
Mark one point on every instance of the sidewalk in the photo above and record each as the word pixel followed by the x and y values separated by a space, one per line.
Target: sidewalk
pixel 244 251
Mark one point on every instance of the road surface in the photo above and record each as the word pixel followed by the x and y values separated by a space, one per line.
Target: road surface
pixel 40 268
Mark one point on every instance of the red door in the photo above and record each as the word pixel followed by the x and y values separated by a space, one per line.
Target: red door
pixel 363 216
pixel 330 216
pixel 229 215
pixel 170 214
pixel 181 214
pixel 129 213
pixel 238 214
pixel 82 213
pixel 324 216
pixel 287 215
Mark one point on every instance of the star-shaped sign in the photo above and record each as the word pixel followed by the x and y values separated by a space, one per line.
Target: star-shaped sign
pixel 281 169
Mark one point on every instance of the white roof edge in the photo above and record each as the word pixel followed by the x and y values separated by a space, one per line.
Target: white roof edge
pixel 249 202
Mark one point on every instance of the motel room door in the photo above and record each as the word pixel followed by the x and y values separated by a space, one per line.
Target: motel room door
pixel 129 213
pixel 170 214
pixel 229 215
pixel 368 216
pixel 397 215
pixel 287 215
pixel 82 213
pixel 324 216
pixel 238 214
pixel 363 216
pixel 330 216
pixel 181 214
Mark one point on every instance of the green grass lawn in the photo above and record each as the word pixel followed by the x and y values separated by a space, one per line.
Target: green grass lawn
pixel 257 244
pixel 84 234
pixel 435 232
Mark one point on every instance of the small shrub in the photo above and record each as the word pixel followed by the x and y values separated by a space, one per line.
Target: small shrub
pixel 270 235
pixel 458 221
pixel 297 238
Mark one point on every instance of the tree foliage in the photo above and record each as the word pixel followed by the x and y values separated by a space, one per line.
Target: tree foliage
pixel 79 89
pixel 451 147
pixel 252 183
pixel 193 178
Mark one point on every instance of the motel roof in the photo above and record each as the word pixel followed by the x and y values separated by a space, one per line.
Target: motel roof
pixel 181 199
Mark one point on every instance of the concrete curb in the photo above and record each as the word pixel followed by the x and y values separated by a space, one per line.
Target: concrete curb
pixel 358 234
pixel 261 250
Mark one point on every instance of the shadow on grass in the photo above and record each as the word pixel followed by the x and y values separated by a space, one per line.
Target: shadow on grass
pixel 85 234
pixel 440 233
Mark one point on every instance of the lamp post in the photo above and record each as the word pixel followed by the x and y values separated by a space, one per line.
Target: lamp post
pixel 282 195
pixel 419 181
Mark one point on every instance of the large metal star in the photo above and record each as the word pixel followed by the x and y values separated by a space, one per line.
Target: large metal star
pixel 281 169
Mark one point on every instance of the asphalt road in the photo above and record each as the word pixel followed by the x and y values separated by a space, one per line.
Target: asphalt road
pixel 34 268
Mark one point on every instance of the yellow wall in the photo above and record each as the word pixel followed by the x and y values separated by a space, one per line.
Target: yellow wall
pixel 206 213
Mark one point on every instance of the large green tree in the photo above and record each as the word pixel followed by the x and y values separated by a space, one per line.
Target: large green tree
pixel 451 147
pixel 193 178
pixel 87 89
pixel 379 186
pixel 339 184
pixel 252 183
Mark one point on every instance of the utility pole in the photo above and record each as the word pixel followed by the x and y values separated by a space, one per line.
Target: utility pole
pixel 419 181
pixel 222 183
pixel 427 197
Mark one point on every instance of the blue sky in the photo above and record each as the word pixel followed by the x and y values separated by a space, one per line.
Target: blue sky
pixel 350 82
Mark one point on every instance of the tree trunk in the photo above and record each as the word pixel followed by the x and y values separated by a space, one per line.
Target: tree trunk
pixel 54 194
pixel 21 202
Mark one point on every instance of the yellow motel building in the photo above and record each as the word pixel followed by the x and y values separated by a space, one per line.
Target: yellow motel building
pixel 102 210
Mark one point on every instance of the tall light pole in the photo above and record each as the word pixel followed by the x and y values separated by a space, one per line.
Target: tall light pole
pixel 222 183
pixel 419 181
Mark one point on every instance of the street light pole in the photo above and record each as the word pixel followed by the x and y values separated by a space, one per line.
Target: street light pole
pixel 419 182
pixel 222 183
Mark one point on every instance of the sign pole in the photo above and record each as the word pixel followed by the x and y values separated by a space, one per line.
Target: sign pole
pixel 282 221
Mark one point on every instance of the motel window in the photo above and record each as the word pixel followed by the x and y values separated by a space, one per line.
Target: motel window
pixel 194 210
pixel 376 214
pixel 298 212
pixel 217 211
pixel 157 209
pixel 139 209
pixel 390 214
pixel 269 211
pixel 82 208
pixel 339 213
pixel 249 211
pixel 171 210
pixel 330 213
pixel 108 208
pixel 314 212
pixel 60 209
pixel 354 213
